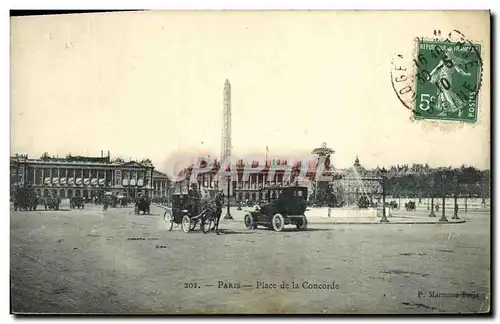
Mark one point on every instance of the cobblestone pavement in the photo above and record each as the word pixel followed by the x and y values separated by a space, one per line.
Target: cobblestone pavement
pixel 89 261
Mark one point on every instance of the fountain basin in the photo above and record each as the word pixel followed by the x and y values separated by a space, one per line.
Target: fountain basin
pixel 342 212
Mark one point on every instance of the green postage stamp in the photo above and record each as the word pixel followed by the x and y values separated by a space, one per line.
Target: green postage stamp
pixel 448 80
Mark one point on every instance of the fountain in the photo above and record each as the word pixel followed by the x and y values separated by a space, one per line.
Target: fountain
pixel 344 185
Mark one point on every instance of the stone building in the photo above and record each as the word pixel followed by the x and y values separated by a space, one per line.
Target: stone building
pixel 81 176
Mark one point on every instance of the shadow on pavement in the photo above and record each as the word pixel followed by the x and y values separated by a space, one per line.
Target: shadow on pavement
pixel 226 231
pixel 287 230
pixel 312 230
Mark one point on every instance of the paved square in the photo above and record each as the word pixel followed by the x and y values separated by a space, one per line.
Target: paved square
pixel 87 261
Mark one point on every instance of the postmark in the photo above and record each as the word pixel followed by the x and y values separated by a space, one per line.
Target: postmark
pixel 443 79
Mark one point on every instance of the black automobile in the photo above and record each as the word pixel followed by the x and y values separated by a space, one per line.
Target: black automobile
pixel 281 206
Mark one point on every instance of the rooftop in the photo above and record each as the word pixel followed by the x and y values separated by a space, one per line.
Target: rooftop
pixel 80 160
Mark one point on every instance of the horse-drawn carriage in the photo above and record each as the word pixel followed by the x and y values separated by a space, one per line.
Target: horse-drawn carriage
pixel 25 199
pixel 189 209
pixel 281 206
pixel 410 206
pixel 52 202
pixel 142 204
pixel 76 202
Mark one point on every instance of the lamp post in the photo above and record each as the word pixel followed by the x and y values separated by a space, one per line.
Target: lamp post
pixel 443 193
pixel 17 171
pixel 458 177
pixel 228 214
pixel 384 216
pixel 455 212
pixel 433 184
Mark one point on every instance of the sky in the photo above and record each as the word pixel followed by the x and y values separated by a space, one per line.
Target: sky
pixel 150 85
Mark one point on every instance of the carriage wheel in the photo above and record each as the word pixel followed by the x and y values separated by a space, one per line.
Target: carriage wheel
pixel 278 223
pixel 186 224
pixel 249 221
pixel 302 224
pixel 168 221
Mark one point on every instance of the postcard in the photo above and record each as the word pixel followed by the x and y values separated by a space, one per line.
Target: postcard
pixel 251 162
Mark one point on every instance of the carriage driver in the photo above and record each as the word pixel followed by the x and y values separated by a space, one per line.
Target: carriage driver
pixel 194 198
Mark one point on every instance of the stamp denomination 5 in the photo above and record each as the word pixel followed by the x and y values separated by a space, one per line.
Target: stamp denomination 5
pixel 443 79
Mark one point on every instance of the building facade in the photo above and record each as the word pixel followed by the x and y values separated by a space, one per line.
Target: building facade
pixel 357 182
pixel 161 185
pixel 81 176
pixel 242 187
pixel 354 182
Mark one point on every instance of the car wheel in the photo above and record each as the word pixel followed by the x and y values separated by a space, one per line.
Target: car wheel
pixel 278 223
pixel 186 224
pixel 249 221
pixel 302 224
pixel 168 220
